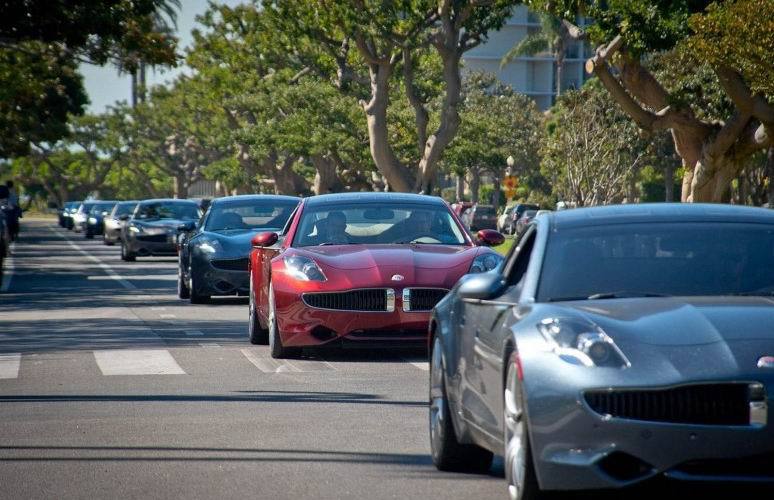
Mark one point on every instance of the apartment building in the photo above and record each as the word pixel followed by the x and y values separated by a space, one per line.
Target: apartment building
pixel 535 75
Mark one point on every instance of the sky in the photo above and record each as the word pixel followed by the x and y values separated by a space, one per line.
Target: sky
pixel 105 86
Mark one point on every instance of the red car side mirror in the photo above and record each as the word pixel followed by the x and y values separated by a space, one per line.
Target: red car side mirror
pixel 265 239
pixel 489 237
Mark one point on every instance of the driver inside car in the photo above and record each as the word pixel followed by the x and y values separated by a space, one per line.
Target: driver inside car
pixel 332 230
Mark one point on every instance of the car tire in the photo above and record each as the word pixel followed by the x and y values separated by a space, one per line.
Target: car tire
pixel 182 287
pixel 448 454
pixel 277 350
pixel 519 466
pixel 258 335
pixel 126 255
pixel 194 295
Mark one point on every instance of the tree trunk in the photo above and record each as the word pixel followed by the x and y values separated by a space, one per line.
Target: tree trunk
pixel 669 182
pixel 142 83
pixel 559 59
pixel 496 191
pixel 474 184
pixel 712 178
pixel 134 88
pixel 180 185
pixel 397 175
pixel 325 179
pixel 770 175
pixel 450 119
pixel 287 181
pixel 460 188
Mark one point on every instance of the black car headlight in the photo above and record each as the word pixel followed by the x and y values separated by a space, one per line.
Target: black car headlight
pixel 210 246
pixel 581 342
pixel 485 262
pixel 303 268
pixel 135 229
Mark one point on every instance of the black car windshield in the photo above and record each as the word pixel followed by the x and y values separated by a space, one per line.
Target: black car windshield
pixel 98 208
pixel 377 223
pixel 657 259
pixel 250 214
pixel 124 209
pixel 167 210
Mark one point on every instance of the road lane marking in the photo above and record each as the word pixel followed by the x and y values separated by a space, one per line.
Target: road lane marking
pixel 137 362
pixel 208 344
pixel 94 259
pixel 167 316
pixel 8 267
pixel 194 333
pixel 9 365
pixel 268 365
pixel 158 308
pixel 422 365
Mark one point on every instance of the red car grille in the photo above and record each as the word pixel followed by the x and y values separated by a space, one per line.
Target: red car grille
pixel 703 404
pixel 425 299
pixel 373 300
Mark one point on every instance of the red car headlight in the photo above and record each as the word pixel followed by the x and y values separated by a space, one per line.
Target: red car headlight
pixel 303 268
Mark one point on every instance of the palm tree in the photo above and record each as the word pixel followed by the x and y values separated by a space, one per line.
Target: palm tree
pixel 554 37
pixel 164 21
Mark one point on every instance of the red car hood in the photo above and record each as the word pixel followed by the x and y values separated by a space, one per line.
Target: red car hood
pixel 351 257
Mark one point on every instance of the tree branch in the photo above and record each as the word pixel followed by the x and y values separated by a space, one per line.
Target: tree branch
pixel 743 98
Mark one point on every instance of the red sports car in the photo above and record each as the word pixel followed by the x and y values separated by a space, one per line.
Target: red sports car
pixel 359 268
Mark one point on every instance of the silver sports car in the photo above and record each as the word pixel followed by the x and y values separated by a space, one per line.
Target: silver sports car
pixel 613 345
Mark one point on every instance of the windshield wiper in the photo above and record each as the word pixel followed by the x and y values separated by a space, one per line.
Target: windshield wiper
pixel 624 294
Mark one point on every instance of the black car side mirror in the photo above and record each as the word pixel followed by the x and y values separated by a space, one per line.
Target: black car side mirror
pixel 186 227
pixel 483 286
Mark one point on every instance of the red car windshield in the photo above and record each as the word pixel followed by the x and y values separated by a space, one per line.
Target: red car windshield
pixel 377 224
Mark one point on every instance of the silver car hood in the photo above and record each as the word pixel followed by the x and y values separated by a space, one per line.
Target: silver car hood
pixel 696 337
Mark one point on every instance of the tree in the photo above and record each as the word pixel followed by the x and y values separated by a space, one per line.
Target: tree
pixel 713 152
pixel 385 36
pixel 496 123
pixel 41 44
pixel 592 151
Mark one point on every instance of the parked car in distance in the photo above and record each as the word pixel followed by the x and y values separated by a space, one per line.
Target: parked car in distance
pixel 95 220
pixel 115 221
pixel 68 212
pixel 214 254
pixel 359 269
pixel 525 219
pixel 516 213
pixel 81 214
pixel 152 229
pixel 614 345
pixel 484 217
pixel 64 211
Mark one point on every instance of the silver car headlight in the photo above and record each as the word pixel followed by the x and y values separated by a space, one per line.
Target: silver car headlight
pixel 580 342
pixel 303 268
pixel 135 229
pixel 485 262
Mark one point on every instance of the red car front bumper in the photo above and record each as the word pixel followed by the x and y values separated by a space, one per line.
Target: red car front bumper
pixel 302 325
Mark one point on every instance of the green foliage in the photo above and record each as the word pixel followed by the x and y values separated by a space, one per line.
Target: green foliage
pixel 645 25
pixel 38 91
pixel 738 34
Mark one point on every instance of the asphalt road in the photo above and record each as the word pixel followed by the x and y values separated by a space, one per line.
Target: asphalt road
pixel 111 387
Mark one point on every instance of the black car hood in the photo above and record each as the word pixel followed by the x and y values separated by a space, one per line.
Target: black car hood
pixel 235 242
pixel 696 337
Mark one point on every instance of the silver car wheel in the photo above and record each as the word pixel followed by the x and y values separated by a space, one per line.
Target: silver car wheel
pixel 437 399
pixel 515 435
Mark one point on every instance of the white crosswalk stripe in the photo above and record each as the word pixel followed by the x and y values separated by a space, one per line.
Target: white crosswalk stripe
pixel 269 365
pixel 9 365
pixel 137 362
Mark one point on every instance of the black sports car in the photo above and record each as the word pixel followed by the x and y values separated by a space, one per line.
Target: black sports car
pixel 613 345
pixel 152 229
pixel 95 221
pixel 214 255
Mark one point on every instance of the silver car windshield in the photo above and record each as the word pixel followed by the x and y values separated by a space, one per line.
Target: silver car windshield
pixel 658 259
